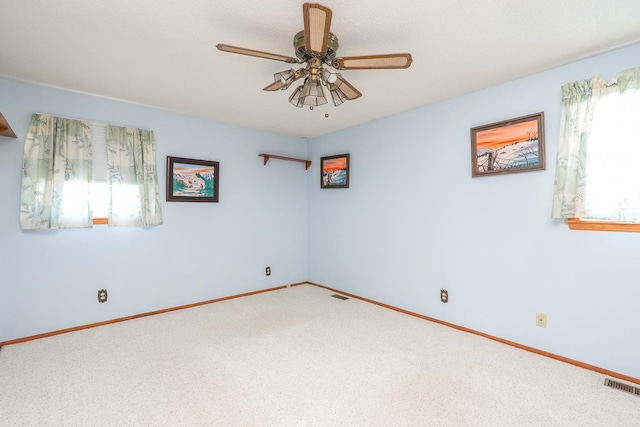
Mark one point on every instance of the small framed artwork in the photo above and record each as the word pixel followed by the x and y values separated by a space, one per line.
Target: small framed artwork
pixel 334 171
pixel 515 145
pixel 192 180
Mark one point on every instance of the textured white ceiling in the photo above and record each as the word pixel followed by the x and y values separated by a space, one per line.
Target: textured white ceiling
pixel 162 53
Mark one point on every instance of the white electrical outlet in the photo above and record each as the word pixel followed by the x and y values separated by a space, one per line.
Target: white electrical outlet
pixel 541 320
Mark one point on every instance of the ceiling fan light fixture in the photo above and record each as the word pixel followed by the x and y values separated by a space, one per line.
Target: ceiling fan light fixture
pixel 340 89
pixel 316 95
pixel 337 95
pixel 328 77
pixel 285 78
pixel 295 99
pixel 312 93
pixel 347 88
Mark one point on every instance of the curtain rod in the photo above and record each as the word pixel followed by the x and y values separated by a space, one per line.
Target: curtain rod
pixel 93 122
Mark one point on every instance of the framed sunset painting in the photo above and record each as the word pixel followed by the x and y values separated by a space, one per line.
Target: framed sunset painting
pixel 334 171
pixel 515 145
pixel 192 180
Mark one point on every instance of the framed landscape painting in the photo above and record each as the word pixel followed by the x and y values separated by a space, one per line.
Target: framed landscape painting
pixel 515 145
pixel 334 171
pixel 192 180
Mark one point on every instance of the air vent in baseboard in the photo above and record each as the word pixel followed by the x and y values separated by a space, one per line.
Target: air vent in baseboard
pixel 622 386
pixel 339 297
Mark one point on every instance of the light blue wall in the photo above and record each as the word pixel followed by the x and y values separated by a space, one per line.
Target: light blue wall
pixel 414 221
pixel 49 280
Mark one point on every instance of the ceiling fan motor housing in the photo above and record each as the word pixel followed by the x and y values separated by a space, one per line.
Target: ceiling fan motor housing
pixel 303 55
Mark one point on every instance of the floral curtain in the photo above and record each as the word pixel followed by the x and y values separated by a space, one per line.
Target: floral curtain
pixel 597 173
pixel 56 174
pixel 131 158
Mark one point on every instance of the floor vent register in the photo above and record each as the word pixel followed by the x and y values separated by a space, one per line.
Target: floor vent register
pixel 622 386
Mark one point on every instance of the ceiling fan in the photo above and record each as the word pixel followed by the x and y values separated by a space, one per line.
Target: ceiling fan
pixel 317 46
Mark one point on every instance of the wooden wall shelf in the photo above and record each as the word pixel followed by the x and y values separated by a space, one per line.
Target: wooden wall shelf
pixel 5 129
pixel 307 163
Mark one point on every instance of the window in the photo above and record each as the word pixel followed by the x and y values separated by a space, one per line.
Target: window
pixel 75 171
pixel 100 174
pixel 597 182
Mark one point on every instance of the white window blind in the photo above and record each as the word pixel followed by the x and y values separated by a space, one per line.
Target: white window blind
pixel 100 186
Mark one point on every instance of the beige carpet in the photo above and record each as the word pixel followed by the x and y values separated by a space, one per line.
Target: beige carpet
pixel 295 357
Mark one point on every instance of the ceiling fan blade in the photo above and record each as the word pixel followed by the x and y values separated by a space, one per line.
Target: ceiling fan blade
pixel 277 85
pixel 347 88
pixel 340 89
pixel 373 62
pixel 257 53
pixel 317 23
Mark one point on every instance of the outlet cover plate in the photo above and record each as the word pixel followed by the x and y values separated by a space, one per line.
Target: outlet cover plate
pixel 541 320
pixel 102 295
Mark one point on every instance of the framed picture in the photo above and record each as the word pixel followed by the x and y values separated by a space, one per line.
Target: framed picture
pixel 334 171
pixel 515 145
pixel 191 180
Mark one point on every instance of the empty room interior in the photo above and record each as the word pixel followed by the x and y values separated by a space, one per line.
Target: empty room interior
pixel 419 282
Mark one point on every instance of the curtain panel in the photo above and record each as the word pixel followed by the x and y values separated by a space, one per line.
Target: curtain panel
pixel 56 174
pixel 133 178
pixel 597 176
